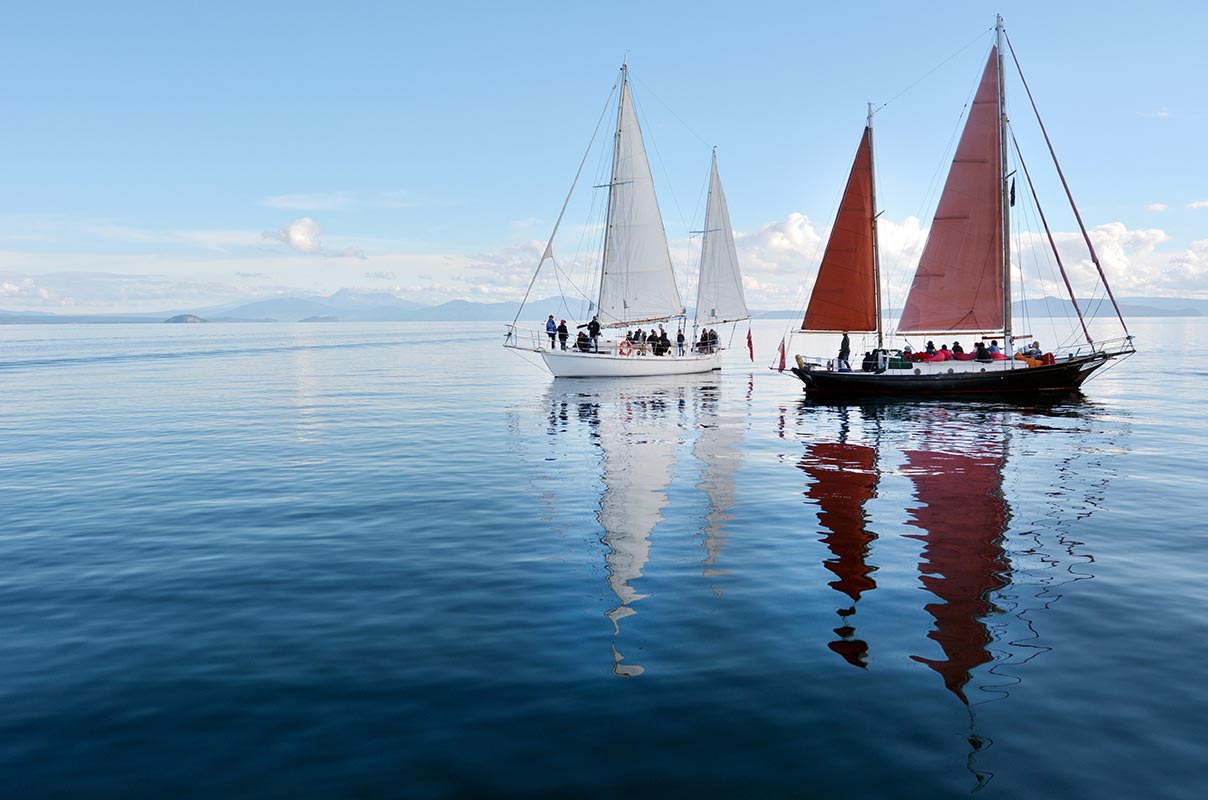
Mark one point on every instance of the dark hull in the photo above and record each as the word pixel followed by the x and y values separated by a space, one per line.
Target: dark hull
pixel 1066 376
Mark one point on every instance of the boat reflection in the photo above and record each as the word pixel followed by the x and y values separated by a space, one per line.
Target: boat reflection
pixel 987 576
pixel 638 426
pixel 963 515
pixel 844 479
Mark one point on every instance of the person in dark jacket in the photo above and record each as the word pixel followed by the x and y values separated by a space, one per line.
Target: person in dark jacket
pixel 679 340
pixel 563 334
pixel 844 354
pixel 593 333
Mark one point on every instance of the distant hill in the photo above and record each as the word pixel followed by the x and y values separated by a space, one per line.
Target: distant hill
pixel 185 318
pixel 348 305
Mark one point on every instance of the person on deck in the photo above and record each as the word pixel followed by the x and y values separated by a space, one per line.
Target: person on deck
pixel 943 354
pixel 1034 350
pixel 679 340
pixel 714 339
pixel 993 348
pixel 563 334
pixel 956 348
pixel 593 333
pixel 582 343
pixel 980 353
pixel 664 342
pixel 551 328
pixel 703 344
pixel 844 354
pixel 930 348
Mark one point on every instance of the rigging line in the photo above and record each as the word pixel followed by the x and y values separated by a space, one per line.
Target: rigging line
pixel 1065 185
pixel 550 242
pixel 972 42
pixel 1052 243
pixel 669 109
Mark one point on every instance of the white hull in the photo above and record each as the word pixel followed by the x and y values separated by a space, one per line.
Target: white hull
pixel 572 364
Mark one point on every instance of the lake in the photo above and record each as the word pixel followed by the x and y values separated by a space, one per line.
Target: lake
pixel 389 560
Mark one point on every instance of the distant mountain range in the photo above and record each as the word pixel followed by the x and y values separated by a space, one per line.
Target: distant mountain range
pixel 348 305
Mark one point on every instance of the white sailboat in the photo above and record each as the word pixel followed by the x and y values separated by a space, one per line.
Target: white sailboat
pixel 637 283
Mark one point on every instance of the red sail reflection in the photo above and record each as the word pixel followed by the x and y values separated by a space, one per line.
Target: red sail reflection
pixel 845 479
pixel 963 516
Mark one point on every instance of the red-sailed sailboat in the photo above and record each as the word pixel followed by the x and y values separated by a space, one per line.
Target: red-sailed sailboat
pixel 963 281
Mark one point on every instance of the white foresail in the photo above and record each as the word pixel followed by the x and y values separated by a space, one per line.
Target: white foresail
pixel 719 296
pixel 638 282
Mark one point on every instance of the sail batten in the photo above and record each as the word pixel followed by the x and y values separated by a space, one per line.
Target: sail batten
pixel 844 295
pixel 637 280
pixel 719 294
pixel 959 282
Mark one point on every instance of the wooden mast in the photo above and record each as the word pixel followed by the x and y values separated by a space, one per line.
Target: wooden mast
pixel 1006 201
pixel 876 250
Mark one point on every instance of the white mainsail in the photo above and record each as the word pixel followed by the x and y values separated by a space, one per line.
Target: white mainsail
pixel 638 282
pixel 719 296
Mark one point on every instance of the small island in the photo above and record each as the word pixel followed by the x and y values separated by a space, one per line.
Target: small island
pixel 185 318
pixel 320 319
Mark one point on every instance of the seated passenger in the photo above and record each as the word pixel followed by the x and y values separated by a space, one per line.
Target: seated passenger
pixel 993 348
pixel 956 348
pixel 980 353
pixel 944 353
pixel 582 343
pixel 930 349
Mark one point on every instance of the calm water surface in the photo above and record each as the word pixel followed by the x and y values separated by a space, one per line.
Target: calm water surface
pixel 396 560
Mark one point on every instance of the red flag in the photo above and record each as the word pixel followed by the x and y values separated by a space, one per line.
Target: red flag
pixel 750 345
pixel 781 367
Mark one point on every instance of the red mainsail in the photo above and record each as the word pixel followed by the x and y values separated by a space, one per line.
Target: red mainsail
pixel 844 296
pixel 959 282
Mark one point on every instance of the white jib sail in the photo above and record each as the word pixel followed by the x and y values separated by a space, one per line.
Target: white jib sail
pixel 638 282
pixel 719 296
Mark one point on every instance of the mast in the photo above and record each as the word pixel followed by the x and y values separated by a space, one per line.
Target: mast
pixel 876 251
pixel 1006 201
pixel 704 242
pixel 612 181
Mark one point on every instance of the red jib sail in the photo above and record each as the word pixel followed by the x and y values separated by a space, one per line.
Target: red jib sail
pixel 959 282
pixel 844 296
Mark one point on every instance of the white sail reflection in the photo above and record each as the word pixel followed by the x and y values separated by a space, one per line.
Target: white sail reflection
pixel 718 448
pixel 639 428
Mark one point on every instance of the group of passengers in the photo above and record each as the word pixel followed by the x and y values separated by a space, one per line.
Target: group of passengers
pixel 586 341
pixel 981 352
pixel 657 343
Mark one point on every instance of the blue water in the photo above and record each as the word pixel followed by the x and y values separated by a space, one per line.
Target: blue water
pixel 396 560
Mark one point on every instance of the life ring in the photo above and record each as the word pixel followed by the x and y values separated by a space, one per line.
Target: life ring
pixel 625 348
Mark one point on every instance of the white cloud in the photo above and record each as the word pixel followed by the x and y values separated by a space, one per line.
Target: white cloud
pixel 1161 113
pixel 316 201
pixel 304 235
pixel 1156 207
pixel 385 276
pixel 1198 204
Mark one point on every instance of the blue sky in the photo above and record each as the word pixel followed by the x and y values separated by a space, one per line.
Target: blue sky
pixel 434 144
